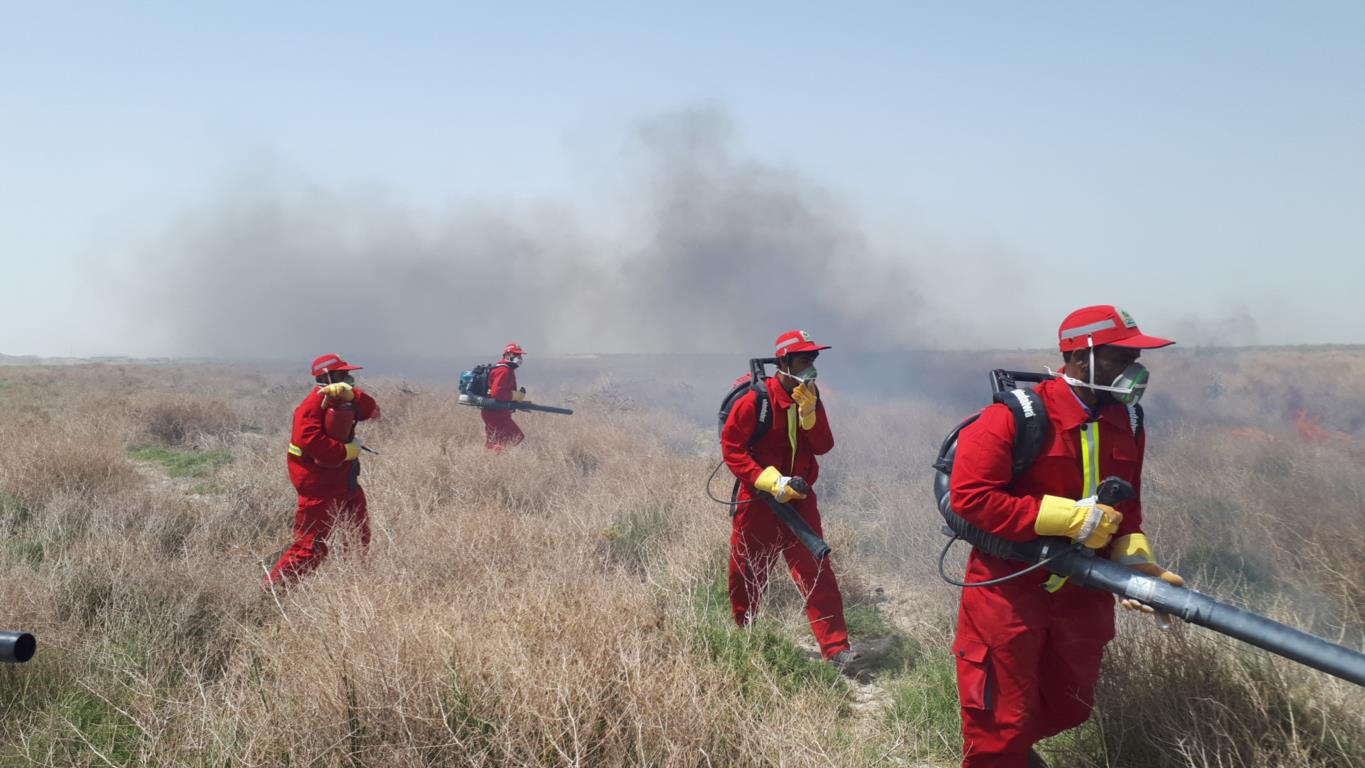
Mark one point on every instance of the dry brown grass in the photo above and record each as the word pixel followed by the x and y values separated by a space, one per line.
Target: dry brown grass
pixel 557 605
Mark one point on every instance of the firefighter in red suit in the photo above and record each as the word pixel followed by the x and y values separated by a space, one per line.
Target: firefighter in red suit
pixel 324 466
pixel 498 427
pixel 1028 650
pixel 799 432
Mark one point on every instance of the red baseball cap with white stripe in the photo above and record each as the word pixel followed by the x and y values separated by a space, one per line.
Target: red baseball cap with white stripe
pixel 329 363
pixel 1104 324
pixel 795 343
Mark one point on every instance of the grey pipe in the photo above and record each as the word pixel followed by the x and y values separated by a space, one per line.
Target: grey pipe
pixel 17 647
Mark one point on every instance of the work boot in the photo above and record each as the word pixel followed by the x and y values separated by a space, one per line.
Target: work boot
pixel 1035 760
pixel 850 664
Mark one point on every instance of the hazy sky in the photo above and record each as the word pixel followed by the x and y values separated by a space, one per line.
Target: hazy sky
pixel 991 164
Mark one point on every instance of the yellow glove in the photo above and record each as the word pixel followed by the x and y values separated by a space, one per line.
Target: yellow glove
pixel 1084 521
pixel 805 404
pixel 777 484
pixel 352 451
pixel 339 391
pixel 1135 552
pixel 519 395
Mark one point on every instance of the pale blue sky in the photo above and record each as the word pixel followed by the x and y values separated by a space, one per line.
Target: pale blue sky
pixel 1192 161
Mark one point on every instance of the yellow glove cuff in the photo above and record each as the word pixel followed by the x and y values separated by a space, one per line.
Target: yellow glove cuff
pixel 1056 516
pixel 352 451
pixel 808 420
pixel 1133 549
pixel 767 481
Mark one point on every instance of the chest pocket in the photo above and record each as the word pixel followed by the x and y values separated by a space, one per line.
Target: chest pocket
pixel 1122 445
pixel 1057 466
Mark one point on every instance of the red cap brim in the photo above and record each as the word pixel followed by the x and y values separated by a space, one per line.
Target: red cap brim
pixel 803 346
pixel 347 367
pixel 1141 341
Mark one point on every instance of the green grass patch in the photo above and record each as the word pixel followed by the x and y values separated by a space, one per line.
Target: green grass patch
pixel 758 656
pixel 66 730
pixel 924 697
pixel 17 541
pixel 182 463
pixel 25 549
pixel 14 511
pixel 866 620
pixel 68 706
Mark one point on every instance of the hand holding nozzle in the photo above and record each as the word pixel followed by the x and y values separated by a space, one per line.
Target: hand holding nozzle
pixel 780 486
pixel 1091 522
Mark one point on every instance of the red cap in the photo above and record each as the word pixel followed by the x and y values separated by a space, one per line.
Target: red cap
pixel 513 349
pixel 1104 324
pixel 330 363
pixel 794 343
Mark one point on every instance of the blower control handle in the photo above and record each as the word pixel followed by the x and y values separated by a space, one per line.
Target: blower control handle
pixel 802 487
pixel 1114 489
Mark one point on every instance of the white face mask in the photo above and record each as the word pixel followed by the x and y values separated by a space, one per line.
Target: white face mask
pixel 804 377
pixel 1127 388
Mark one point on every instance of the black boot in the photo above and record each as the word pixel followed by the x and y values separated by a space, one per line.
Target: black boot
pixel 851 664
pixel 1035 760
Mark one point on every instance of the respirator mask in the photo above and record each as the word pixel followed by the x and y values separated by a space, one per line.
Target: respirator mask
pixel 1127 388
pixel 805 377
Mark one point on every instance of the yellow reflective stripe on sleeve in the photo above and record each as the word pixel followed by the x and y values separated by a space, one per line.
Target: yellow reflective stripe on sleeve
pixel 791 433
pixel 294 450
pixel 1090 479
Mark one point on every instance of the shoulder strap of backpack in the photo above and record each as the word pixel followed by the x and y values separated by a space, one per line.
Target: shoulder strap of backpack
pixel 1030 425
pixel 763 411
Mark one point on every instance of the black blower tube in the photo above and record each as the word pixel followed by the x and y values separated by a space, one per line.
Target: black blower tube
pixel 513 405
pixel 17 647
pixel 1192 606
pixel 797 524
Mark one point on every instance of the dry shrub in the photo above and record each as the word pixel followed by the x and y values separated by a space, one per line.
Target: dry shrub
pixel 180 419
pixel 498 618
pixel 66 458
pixel 1188 698
pixel 553 605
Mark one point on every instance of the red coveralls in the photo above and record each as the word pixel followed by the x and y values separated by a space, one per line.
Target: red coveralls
pixel 328 486
pixel 498 426
pixel 1027 658
pixel 757 534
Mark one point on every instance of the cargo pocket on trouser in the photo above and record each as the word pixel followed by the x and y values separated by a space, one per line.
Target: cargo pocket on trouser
pixel 975 688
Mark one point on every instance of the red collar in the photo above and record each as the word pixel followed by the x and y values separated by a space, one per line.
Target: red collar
pixel 781 400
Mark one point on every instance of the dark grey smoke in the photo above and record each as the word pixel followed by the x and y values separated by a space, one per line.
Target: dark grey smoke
pixel 721 253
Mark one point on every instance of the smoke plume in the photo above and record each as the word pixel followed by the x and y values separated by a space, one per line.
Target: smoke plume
pixel 720 252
